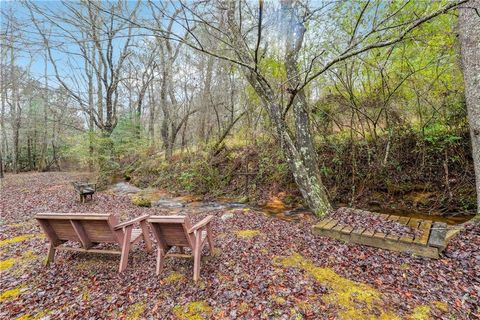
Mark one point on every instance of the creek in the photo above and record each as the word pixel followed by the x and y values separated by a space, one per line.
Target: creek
pixel 274 207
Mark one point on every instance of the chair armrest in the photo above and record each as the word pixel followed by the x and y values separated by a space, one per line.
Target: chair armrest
pixel 131 222
pixel 201 224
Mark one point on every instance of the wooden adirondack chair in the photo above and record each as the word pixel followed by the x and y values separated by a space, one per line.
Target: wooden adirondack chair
pixel 91 229
pixel 85 189
pixel 177 231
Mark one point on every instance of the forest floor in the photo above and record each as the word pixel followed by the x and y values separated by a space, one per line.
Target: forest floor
pixel 262 268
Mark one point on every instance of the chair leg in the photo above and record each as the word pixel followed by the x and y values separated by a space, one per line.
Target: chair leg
pixel 197 255
pixel 160 259
pixel 182 250
pixel 125 248
pixel 146 236
pixel 51 254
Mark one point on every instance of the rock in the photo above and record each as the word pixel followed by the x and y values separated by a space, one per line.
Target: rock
pixel 296 211
pixel 452 232
pixel 227 216
pixel 438 235
pixel 212 206
pixel 235 205
pixel 243 200
pixel 125 187
pixel 166 203
pixel 262 203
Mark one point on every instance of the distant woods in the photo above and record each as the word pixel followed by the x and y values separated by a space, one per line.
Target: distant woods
pixel 92 84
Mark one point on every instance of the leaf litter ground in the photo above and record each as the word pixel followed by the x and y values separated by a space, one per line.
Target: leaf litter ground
pixel 263 268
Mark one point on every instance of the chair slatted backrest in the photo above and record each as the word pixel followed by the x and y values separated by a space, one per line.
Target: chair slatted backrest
pixel 99 231
pixel 80 227
pixel 63 229
pixel 172 230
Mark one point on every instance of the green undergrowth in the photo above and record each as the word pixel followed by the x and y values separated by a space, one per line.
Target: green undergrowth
pixel 221 175
pixel 359 172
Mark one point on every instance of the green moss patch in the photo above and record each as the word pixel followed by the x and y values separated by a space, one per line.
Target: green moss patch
pixel 16 239
pixel 421 313
pixel 6 264
pixel 247 233
pixel 25 258
pixel 355 300
pixel 441 305
pixel 135 311
pixel 196 310
pixel 12 293
pixel 174 277
pixel 37 316
pixel 141 201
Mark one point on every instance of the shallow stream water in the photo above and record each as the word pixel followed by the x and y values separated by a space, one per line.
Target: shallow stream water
pixel 274 207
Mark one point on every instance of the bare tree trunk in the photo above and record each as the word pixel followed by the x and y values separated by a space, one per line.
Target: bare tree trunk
pixel 55 134
pixel 164 128
pixel 151 118
pixel 91 123
pixel 16 111
pixel 205 101
pixel 469 23
pixel 43 153
pixel 99 91
pixel 3 131
pixel 1 164
pixel 138 112
pixel 317 193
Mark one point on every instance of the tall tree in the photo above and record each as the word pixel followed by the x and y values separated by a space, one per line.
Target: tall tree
pixel 469 25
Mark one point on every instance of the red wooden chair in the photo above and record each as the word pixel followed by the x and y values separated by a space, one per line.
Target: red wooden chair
pixel 177 231
pixel 91 229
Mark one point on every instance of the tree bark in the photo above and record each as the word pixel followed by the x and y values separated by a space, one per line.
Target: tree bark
pixel 43 153
pixel 469 25
pixel 3 131
pixel 151 118
pixel 1 164
pixel 15 107
pixel 91 107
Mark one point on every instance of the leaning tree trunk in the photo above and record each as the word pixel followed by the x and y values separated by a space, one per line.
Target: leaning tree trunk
pixel 299 152
pixel 301 158
pixel 469 23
